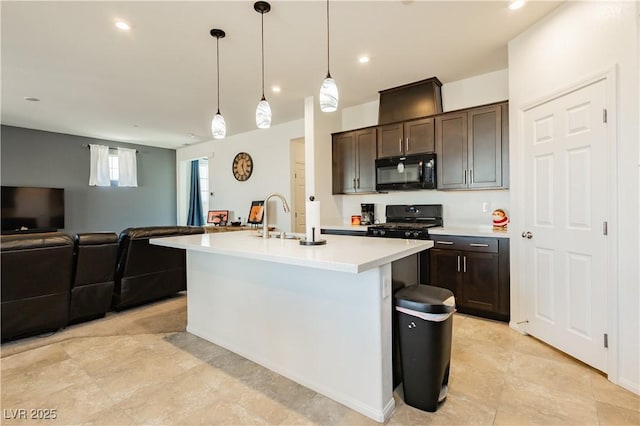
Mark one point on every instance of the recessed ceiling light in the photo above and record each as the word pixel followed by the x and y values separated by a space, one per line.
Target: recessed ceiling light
pixel 123 25
pixel 276 89
pixel 516 4
pixel 31 99
pixel 363 59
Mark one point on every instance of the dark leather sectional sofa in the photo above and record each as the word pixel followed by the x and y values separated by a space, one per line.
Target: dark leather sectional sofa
pixel 50 280
pixel 146 272
pixel 36 277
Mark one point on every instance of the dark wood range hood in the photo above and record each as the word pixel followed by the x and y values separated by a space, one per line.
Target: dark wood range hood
pixel 413 100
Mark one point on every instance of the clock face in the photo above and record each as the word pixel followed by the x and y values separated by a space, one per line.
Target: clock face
pixel 242 166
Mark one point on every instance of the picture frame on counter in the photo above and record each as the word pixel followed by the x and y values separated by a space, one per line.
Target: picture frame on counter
pixel 256 212
pixel 218 217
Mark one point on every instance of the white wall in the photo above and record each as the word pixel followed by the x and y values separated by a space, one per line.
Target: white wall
pixel 576 42
pixel 318 161
pixel 363 115
pixel 461 208
pixel 270 150
pixel 477 90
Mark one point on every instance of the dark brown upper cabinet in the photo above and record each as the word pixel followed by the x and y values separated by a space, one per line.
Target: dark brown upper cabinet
pixel 472 148
pixel 353 161
pixel 410 137
pixel 409 101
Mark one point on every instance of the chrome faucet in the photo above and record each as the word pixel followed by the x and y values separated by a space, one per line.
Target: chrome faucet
pixel 265 223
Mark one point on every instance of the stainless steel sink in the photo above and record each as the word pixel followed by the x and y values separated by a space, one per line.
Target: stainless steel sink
pixel 281 235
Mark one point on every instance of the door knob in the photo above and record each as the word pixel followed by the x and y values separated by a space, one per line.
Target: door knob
pixel 528 235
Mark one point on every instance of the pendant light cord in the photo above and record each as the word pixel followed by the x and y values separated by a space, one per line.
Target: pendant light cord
pixel 328 71
pixel 218 68
pixel 262 25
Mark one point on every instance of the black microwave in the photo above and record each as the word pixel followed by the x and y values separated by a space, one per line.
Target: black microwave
pixel 406 173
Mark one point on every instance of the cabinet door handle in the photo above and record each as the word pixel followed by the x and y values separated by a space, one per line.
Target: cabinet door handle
pixel 465 177
pixel 471 176
pixel 478 245
pixel 354 183
pixel 458 263
pixel 400 145
pixel 444 242
pixel 358 182
pixel 406 145
pixel 464 263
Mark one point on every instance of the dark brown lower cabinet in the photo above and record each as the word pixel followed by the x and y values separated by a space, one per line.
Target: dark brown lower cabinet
pixel 476 270
pixel 444 269
pixel 480 276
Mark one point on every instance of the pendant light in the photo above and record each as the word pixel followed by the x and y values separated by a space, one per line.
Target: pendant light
pixel 218 126
pixel 329 89
pixel 263 111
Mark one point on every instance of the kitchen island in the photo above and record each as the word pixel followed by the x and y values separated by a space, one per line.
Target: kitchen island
pixel 319 315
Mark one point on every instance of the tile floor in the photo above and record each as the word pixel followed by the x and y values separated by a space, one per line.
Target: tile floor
pixel 141 367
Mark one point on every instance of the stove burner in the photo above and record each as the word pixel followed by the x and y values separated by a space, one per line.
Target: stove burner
pixel 409 226
pixel 408 221
pixel 392 230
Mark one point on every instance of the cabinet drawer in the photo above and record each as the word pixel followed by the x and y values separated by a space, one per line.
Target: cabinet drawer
pixel 479 244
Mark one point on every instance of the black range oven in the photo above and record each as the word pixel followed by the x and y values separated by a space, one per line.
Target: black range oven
pixel 408 221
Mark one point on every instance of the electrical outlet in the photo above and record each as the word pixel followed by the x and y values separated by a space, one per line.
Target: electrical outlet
pixel 485 207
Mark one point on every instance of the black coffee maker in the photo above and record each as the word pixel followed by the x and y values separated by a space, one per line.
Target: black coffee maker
pixel 367 213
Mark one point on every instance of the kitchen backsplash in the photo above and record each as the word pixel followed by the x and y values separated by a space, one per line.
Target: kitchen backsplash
pixel 460 208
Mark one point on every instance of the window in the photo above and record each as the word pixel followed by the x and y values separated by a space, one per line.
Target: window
pixel 203 164
pixel 114 173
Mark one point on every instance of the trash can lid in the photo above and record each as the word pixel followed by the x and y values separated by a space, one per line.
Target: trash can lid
pixel 427 299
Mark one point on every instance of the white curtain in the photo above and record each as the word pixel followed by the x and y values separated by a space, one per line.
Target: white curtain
pixel 99 172
pixel 127 167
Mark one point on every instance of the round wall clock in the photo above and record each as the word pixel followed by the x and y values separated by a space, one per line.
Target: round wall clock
pixel 242 166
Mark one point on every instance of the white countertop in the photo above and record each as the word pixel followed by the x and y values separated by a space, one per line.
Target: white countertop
pixel 341 253
pixel 479 231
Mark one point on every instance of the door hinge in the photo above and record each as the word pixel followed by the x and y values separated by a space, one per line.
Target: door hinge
pixel 605 228
pixel 606 340
pixel 604 115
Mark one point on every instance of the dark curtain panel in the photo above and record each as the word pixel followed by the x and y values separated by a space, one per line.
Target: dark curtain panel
pixel 195 216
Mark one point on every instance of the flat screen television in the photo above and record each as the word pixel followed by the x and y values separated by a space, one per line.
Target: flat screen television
pixel 29 209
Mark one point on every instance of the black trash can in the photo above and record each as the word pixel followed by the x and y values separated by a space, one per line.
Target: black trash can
pixel 425 319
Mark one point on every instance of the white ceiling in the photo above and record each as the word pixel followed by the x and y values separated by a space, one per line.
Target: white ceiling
pixel 156 84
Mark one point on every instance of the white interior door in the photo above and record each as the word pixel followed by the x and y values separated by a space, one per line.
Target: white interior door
pixel 565 249
pixel 298 187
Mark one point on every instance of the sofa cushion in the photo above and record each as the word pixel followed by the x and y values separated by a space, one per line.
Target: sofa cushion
pixel 93 282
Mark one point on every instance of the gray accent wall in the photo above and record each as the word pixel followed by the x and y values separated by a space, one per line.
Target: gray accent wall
pixel 37 158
